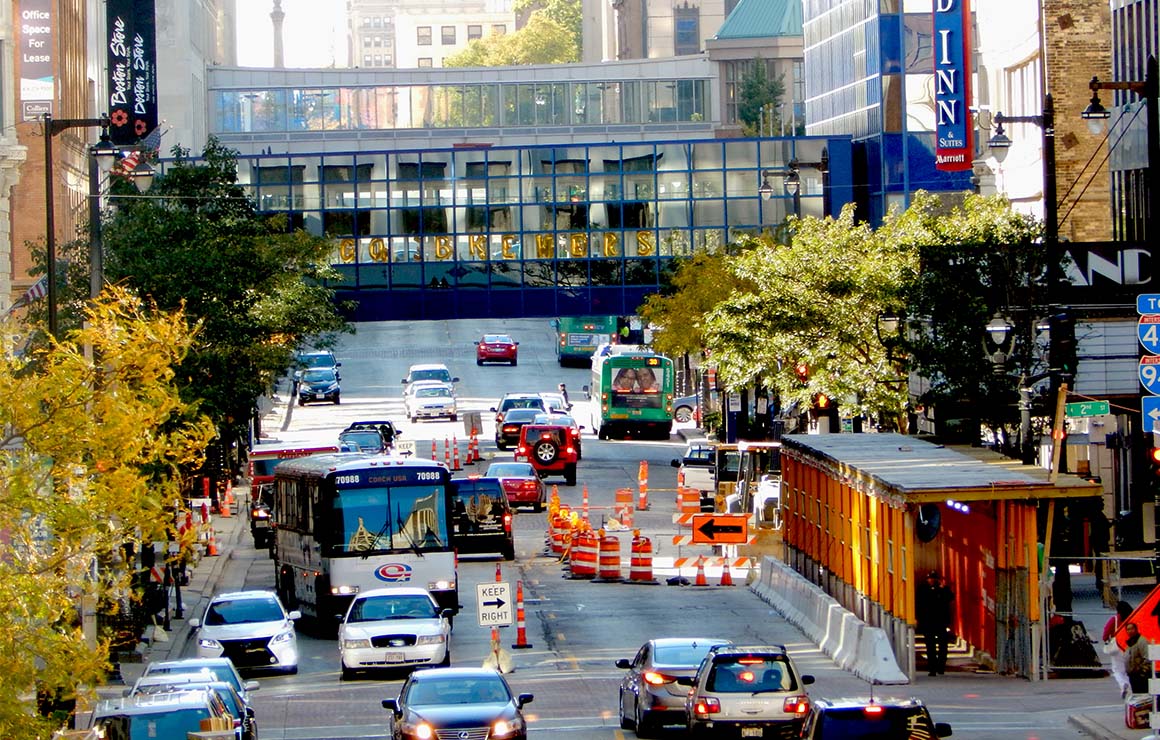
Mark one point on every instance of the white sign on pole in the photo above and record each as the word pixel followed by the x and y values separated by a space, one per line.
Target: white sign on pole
pixel 495 604
pixel 404 447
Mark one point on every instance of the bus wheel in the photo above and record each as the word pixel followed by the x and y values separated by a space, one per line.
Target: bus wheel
pixel 602 433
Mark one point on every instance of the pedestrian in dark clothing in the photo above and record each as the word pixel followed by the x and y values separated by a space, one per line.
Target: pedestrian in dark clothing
pixel 1136 657
pixel 933 609
pixel 564 393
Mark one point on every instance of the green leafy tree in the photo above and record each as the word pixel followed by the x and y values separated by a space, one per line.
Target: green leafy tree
pixel 567 13
pixel 92 454
pixel 542 41
pixel 198 243
pixel 757 91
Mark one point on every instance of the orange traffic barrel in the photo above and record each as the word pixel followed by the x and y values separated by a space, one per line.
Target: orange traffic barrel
pixel 689 501
pixel 561 526
pixel 623 507
pixel 640 564
pixel 609 557
pixel 583 561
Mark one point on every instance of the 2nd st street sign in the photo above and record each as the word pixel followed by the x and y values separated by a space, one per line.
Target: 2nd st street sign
pixel 1087 408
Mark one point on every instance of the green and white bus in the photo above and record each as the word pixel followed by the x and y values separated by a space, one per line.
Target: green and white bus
pixel 577 337
pixel 631 393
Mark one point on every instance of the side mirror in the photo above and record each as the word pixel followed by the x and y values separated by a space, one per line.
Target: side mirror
pixel 807 679
pixel 294 615
pixel 339 618
pixel 942 729
pixel 494 409
pixel 404 381
pixel 523 699
pixel 447 613
pixel 675 463
pixel 516 343
pixel 338 364
pixel 623 663
pixel 455 380
pixel 687 680
pixel 393 705
pixel 476 343
pixel 251 685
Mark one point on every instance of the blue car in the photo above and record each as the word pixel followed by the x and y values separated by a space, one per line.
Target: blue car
pixel 318 384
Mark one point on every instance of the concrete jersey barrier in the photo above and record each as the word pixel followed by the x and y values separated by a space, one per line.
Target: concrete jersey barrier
pixel 852 644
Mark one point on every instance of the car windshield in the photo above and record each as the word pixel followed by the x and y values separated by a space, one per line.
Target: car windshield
pixel 497 339
pixel 318 375
pixel 891 723
pixel 687 655
pixel 523 403
pixel 750 674
pixel 700 454
pixel 323 360
pixel 462 690
pixel 434 393
pixel 363 440
pixel 511 470
pixel 243 611
pixel 439 374
pixel 166 722
pixel 222 672
pixel 375 608
pixel 525 415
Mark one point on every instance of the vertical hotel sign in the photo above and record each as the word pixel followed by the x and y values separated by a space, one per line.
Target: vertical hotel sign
pixel 952 90
pixel 37 89
pixel 132 63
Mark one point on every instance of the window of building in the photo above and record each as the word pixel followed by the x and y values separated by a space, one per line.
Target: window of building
pixel 424 35
pixel 377 22
pixel 367 21
pixel 378 60
pixel 499 28
pixel 687 31
pixel 474 32
pixel 377 41
pixel 366 60
pixel 448 33
pixel 424 62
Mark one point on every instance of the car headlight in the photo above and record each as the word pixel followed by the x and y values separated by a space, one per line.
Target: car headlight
pixel 505 727
pixel 430 640
pixel 352 643
pixel 209 644
pixel 440 585
pixel 343 590
pixel 282 637
pixel 421 730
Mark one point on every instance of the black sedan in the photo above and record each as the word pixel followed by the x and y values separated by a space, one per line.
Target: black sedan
pixel 507 432
pixel 459 703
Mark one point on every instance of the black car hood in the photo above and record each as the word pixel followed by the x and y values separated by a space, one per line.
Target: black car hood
pixel 461 715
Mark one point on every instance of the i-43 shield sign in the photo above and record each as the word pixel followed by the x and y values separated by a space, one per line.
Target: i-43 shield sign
pixel 1150 374
pixel 1148 329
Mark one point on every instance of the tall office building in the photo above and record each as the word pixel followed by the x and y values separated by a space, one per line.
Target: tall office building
pixel 410 34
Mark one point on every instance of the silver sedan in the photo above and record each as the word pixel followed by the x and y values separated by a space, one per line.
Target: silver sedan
pixel 649 694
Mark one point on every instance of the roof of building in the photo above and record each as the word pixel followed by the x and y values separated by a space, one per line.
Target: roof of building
pixel 895 465
pixel 757 19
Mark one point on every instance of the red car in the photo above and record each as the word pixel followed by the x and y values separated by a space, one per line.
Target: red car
pixel 565 420
pixel 549 449
pixel 497 348
pixel 521 484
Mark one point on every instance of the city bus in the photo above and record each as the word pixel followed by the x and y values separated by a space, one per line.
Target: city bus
pixel 578 336
pixel 348 522
pixel 632 393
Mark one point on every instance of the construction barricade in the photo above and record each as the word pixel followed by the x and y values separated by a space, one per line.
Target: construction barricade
pixel 640 568
pixel 623 508
pixel 608 558
pixel 582 563
pixel 688 501
pixel 642 479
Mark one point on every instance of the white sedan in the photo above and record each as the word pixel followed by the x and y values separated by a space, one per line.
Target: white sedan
pixel 394 628
pixel 429 400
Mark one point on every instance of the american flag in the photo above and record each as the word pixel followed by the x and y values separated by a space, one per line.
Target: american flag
pixel 36 292
pixel 146 148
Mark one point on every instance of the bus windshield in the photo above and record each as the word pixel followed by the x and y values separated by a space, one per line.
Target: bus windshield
pixel 638 386
pixel 389 518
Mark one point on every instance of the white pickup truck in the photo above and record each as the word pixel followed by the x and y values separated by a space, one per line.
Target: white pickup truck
pixel 697 468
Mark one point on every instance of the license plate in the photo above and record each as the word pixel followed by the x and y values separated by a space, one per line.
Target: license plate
pixel 752 732
pixel 400 658
pixel 320 395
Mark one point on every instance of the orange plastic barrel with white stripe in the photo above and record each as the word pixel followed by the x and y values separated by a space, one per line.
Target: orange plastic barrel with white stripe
pixel 640 568
pixel 609 557
pixel 582 564
pixel 624 507
pixel 689 501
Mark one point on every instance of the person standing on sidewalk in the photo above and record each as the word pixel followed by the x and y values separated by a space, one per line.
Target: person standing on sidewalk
pixel 1117 658
pixel 1136 658
pixel 933 609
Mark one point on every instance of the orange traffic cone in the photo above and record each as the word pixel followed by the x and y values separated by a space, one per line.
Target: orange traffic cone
pixel 726 576
pixel 211 548
pixel 701 580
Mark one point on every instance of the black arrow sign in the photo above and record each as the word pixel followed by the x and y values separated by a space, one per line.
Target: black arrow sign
pixel 497 603
pixel 711 529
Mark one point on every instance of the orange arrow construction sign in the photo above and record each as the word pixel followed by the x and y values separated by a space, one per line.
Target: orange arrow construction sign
pixel 720 529
pixel 1146 617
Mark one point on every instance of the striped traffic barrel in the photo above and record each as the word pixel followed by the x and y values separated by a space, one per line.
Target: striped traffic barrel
pixel 624 506
pixel 688 501
pixel 640 564
pixel 609 557
pixel 582 564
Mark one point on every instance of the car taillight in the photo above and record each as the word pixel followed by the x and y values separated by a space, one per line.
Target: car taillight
pixel 521 450
pixel 529 485
pixel 706 705
pixel 510 428
pixel 873 709
pixel 499 418
pixel 797 704
pixel 656 679
pixel 507 522
pixel 571 450
pixel 546 435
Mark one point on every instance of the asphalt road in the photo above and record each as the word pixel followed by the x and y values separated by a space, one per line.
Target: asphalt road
pixel 579 629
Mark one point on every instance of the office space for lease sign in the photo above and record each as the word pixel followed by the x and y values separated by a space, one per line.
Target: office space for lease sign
pixel 952 88
pixel 37 84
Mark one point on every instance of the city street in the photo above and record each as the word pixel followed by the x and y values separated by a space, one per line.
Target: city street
pixel 577 629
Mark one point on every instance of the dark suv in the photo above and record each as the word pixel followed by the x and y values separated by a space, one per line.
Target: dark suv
pixel 483 518
pixel 747 691
pixel 549 448
pixel 870 719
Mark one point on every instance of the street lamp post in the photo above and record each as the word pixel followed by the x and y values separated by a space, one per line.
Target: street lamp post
pixel 792 181
pixel 1096 114
pixel 1000 143
pixel 103 153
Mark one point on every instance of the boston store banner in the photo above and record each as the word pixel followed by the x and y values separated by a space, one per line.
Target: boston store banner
pixel 132 47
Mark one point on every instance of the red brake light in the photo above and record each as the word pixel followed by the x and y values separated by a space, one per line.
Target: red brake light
pixel 706 705
pixel 747 676
pixel 873 709
pixel 797 704
pixel 507 522
pixel 654 678
pixel 752 661
pixel 546 435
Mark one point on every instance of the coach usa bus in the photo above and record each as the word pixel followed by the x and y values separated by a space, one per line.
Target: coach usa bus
pixel 349 522
pixel 632 393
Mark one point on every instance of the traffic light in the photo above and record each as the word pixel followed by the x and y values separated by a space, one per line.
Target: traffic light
pixel 1154 462
pixel 1062 356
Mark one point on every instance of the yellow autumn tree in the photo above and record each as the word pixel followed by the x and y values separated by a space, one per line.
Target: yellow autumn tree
pixel 93 436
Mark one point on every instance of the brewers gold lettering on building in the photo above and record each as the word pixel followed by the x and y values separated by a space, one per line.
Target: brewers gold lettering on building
pixel 494 247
